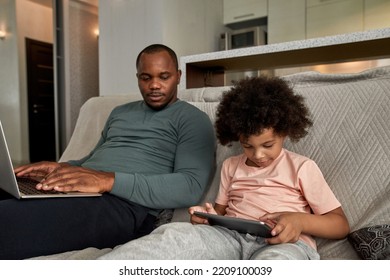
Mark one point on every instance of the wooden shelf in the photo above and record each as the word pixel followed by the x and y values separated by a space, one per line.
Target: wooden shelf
pixel 208 69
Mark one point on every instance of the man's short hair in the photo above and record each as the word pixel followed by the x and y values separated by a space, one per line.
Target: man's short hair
pixel 158 48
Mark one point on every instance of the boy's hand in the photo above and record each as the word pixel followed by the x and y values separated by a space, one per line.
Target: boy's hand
pixel 208 208
pixel 287 226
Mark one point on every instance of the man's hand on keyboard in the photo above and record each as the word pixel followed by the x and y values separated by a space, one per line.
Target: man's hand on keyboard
pixel 73 178
pixel 37 171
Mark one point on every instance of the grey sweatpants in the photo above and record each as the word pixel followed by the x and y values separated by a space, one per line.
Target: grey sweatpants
pixel 184 241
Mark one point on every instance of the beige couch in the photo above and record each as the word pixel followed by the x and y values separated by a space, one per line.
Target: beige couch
pixel 349 141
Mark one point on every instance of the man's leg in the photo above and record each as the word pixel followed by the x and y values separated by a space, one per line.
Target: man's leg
pixel 177 241
pixel 37 227
pixel 4 195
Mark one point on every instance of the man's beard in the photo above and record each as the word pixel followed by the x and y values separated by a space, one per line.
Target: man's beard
pixel 162 106
pixel 157 108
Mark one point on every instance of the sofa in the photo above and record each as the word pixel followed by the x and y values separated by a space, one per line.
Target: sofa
pixel 349 141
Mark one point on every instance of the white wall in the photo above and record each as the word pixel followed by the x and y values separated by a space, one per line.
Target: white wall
pixel 81 62
pixel 21 19
pixel 126 27
pixel 9 77
pixel 193 27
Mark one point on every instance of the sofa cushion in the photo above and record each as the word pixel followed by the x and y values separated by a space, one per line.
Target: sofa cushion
pixel 372 243
pixel 90 122
pixel 205 94
pixel 350 143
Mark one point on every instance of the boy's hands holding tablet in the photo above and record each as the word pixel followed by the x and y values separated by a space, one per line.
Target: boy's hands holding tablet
pixel 196 219
pixel 208 215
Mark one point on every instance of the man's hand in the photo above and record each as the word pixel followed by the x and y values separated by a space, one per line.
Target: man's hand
pixel 69 178
pixel 38 170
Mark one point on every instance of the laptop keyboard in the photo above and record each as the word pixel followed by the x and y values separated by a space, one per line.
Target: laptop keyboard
pixel 27 186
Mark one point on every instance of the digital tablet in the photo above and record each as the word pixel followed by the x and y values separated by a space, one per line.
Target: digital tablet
pixel 241 225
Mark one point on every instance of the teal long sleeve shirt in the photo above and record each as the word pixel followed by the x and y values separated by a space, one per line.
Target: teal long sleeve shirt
pixel 161 159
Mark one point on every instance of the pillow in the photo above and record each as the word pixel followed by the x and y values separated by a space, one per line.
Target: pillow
pixel 372 243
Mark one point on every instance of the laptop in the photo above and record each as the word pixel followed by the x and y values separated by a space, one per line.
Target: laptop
pixel 24 187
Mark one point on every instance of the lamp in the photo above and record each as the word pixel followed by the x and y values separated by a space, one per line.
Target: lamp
pixel 2 34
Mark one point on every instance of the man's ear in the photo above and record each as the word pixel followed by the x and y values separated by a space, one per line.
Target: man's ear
pixel 178 76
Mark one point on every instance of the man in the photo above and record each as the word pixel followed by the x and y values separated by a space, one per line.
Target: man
pixel 153 154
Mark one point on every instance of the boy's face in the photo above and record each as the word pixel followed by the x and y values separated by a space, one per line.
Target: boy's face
pixel 262 149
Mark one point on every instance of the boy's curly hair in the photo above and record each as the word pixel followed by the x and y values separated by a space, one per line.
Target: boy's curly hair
pixel 258 103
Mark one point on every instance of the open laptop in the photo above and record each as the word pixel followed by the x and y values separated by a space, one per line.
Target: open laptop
pixel 22 187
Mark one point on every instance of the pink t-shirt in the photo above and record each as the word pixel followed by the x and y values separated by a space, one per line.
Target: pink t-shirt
pixel 291 183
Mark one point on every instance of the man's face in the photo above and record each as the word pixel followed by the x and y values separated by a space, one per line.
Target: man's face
pixel 158 79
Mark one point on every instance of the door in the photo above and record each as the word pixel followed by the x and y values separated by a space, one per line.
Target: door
pixel 40 90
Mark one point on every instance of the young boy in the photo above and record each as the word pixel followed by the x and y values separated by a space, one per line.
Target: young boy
pixel 266 182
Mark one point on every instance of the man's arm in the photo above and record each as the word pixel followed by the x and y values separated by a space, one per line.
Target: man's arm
pixel 194 163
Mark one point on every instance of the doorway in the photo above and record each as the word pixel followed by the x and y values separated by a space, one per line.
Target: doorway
pixel 40 92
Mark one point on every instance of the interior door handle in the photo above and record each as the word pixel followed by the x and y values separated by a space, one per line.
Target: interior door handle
pixel 36 107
